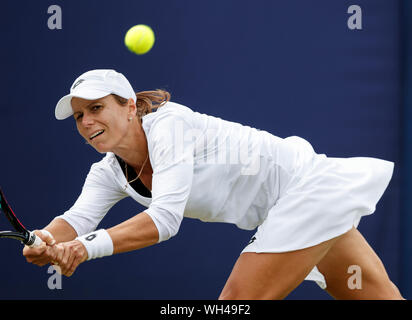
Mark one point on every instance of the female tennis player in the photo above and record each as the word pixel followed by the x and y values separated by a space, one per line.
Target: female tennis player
pixel 180 163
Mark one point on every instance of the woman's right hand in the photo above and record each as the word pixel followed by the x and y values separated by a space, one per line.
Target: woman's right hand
pixel 43 254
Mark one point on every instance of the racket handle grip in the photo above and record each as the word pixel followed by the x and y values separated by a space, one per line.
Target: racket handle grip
pixel 34 240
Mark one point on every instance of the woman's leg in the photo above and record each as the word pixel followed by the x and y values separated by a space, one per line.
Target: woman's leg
pixel 353 270
pixel 268 276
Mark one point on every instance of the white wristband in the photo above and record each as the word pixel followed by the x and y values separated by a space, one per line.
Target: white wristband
pixel 98 244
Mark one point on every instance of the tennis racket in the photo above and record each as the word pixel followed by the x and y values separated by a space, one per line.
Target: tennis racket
pixel 21 233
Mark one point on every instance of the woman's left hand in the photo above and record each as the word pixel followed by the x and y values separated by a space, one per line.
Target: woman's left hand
pixel 68 256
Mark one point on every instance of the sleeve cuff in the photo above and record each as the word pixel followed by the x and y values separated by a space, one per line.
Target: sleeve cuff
pixel 163 232
pixel 72 222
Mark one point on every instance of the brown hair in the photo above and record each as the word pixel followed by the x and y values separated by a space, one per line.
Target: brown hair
pixel 146 101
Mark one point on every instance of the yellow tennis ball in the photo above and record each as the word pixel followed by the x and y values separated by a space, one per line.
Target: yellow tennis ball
pixel 139 39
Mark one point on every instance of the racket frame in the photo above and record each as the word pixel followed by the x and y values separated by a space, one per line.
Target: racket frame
pixel 20 233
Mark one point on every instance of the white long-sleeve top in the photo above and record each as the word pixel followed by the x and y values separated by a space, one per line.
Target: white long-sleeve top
pixel 203 167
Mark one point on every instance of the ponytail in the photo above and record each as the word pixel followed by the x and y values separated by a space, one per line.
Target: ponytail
pixel 146 101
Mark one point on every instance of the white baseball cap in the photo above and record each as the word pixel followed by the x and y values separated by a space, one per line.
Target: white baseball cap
pixel 92 85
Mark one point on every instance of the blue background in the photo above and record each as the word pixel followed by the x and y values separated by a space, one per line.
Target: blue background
pixel 288 67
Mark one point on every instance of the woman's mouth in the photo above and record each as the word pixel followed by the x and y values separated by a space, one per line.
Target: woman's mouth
pixel 97 133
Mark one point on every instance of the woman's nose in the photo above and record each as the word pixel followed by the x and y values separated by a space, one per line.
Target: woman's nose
pixel 87 120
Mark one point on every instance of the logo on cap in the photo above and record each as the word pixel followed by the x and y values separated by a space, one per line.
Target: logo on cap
pixel 77 83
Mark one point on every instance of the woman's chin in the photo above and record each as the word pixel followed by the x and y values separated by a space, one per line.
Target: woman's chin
pixel 101 148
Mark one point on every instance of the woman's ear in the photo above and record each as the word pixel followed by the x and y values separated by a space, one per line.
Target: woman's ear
pixel 132 107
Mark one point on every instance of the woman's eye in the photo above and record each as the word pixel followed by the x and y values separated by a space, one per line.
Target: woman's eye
pixel 94 108
pixel 79 116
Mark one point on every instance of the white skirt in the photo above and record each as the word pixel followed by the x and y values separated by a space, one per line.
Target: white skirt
pixel 325 202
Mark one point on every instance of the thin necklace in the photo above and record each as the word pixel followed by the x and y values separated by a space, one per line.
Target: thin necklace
pixel 127 176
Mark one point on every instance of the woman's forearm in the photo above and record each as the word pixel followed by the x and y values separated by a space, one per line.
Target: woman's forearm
pixel 135 233
pixel 61 230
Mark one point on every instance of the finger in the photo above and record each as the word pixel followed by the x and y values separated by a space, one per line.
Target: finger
pixel 66 256
pixel 33 255
pixel 41 262
pixel 73 267
pixel 33 251
pixel 46 236
pixel 48 255
pixel 52 253
pixel 66 261
pixel 63 258
pixel 59 253
pixel 77 259
pixel 70 267
pixel 56 252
